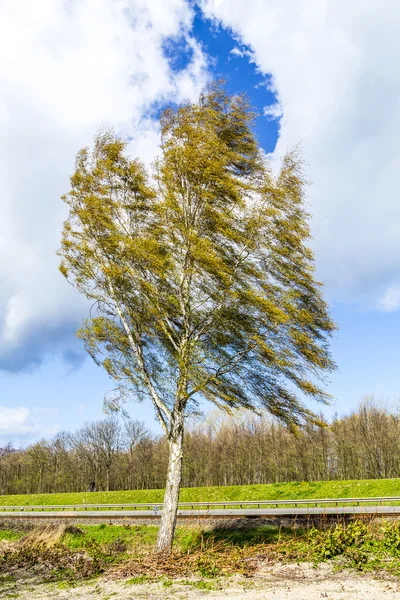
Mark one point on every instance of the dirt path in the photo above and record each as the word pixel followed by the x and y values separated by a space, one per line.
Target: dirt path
pixel 288 582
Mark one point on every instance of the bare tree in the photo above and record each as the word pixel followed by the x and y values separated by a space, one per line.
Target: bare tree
pixel 133 432
pixel 99 443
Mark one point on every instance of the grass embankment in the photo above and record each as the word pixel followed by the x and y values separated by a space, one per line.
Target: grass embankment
pixel 279 491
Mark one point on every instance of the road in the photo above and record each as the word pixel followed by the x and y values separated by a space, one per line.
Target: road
pixel 251 513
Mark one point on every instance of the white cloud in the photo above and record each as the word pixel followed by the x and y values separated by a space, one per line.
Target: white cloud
pixel 240 52
pixel 20 424
pixel 390 300
pixel 15 420
pixel 69 66
pixel 335 72
pixel 66 68
pixel 273 111
pixel 236 51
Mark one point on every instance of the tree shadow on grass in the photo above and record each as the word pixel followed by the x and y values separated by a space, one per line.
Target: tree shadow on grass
pixel 207 539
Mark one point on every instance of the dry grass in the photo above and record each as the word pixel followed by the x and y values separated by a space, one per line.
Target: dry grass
pixel 218 559
pixel 49 536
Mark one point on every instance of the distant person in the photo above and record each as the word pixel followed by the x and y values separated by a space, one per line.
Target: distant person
pixel 92 486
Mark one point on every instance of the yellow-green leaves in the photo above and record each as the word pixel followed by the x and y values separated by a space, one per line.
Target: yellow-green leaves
pixel 199 272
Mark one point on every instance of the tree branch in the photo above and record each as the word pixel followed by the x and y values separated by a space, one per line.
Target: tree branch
pixel 163 412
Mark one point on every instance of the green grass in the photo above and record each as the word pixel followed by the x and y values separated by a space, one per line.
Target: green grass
pixel 139 580
pixel 186 539
pixel 109 534
pixel 278 491
pixel 10 535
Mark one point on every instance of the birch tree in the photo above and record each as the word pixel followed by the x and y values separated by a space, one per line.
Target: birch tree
pixel 201 280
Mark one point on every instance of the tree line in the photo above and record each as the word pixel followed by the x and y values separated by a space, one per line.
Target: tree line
pixel 240 449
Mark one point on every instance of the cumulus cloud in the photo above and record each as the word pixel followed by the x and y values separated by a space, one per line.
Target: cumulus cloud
pixel 334 68
pixel 240 52
pixel 236 51
pixel 20 424
pixel 390 300
pixel 273 111
pixel 67 67
pixel 15 420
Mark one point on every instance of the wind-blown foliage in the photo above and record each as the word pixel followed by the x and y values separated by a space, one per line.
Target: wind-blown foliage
pixel 202 282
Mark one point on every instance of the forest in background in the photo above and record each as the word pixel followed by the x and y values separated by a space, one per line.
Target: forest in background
pixel 241 449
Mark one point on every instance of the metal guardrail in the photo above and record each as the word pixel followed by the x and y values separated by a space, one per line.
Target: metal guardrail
pixel 204 505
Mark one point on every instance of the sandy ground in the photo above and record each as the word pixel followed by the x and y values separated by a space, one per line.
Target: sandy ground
pixel 280 582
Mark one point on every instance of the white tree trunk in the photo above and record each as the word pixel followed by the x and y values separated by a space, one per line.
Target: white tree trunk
pixel 171 496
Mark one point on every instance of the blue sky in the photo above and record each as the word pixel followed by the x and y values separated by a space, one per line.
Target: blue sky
pixel 323 78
